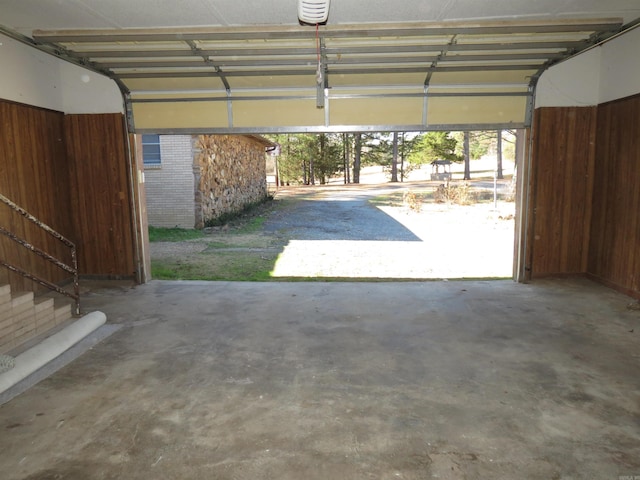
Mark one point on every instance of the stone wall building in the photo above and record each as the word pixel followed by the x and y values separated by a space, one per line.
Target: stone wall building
pixel 191 180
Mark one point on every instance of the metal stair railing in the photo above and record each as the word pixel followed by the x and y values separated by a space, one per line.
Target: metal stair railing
pixel 72 269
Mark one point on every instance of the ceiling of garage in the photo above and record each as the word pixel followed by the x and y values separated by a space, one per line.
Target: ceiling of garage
pixel 249 66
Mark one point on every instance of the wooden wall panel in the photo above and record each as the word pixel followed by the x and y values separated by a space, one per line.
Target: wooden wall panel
pixel 101 199
pixel 562 167
pixel 34 174
pixel 72 173
pixel 615 231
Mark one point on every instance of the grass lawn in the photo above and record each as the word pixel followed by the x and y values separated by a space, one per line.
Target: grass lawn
pixel 159 234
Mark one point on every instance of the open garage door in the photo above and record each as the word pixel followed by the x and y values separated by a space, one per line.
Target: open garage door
pixel 404 76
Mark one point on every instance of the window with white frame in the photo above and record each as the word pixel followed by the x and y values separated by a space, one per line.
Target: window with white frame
pixel 151 150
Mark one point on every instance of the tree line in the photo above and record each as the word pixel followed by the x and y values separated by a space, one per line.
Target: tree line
pixel 310 159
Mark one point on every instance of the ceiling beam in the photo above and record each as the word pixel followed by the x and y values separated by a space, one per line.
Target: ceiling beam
pixel 434 64
pixel 521 87
pixel 295 51
pixel 327 31
pixel 196 51
pixel 332 96
pixel 311 71
pixel 329 61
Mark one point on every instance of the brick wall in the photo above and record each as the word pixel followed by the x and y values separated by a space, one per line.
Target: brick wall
pixel 170 188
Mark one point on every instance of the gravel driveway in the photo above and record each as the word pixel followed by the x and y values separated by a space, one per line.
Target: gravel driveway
pixel 336 231
pixel 351 231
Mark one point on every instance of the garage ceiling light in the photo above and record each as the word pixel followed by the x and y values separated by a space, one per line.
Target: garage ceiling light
pixel 313 12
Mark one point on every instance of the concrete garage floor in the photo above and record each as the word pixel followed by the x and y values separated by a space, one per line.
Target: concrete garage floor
pixel 420 380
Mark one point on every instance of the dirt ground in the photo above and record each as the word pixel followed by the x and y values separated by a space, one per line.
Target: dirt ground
pixel 357 231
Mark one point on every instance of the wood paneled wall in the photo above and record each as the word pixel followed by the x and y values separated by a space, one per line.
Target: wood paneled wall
pixel 97 152
pixel 71 172
pixel 34 174
pixel 615 231
pixel 562 173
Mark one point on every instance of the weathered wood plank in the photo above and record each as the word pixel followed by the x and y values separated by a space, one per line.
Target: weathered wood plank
pixel 563 159
pixel 33 174
pixel 615 230
pixel 96 145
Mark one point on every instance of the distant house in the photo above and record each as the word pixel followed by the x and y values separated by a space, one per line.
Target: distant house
pixel 193 179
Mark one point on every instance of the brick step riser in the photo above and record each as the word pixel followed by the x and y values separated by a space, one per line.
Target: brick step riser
pixel 22 317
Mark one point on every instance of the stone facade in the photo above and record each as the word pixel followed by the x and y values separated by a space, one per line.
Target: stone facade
pixel 202 177
pixel 230 174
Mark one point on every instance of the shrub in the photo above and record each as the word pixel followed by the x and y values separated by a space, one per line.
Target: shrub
pixel 459 194
pixel 412 200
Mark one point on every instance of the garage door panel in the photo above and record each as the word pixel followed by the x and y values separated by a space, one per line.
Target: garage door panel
pixel 267 82
pixel 522 77
pixel 379 111
pixel 276 113
pixel 476 110
pixel 167 116
pixel 411 74
pixel 173 84
pixel 338 79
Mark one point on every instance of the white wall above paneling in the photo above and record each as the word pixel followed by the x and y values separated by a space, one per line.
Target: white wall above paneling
pixel 599 75
pixel 88 92
pixel 29 76
pixel 35 78
pixel 620 67
pixel 574 83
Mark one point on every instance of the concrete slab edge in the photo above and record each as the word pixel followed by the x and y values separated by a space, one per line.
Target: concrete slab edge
pixel 36 357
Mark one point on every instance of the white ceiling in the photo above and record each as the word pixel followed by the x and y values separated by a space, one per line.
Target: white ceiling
pixel 25 16
pixel 247 65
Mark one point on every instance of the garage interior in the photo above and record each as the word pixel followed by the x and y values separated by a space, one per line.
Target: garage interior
pixel 407 380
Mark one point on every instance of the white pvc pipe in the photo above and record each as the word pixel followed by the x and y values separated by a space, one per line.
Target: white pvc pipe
pixel 36 357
